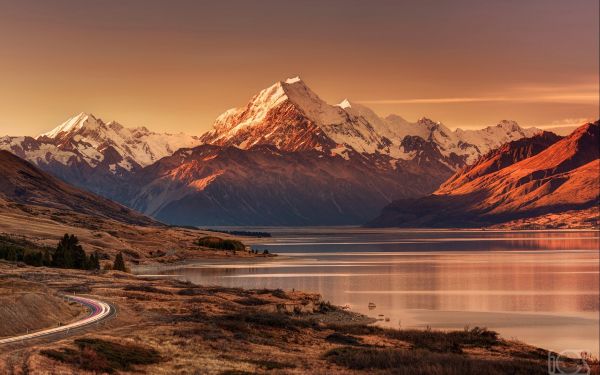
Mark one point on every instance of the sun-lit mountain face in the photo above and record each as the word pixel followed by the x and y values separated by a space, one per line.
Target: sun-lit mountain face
pixel 286 157
pixel 290 116
pixel 533 180
pixel 90 153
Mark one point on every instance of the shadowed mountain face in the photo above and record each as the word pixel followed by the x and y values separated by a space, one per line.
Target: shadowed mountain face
pixel 266 186
pixel 286 158
pixel 523 179
pixel 289 158
pixel 24 184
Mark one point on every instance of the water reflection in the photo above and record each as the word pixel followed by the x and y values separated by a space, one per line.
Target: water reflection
pixel 540 287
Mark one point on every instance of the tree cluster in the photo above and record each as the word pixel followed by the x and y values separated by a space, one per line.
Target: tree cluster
pixel 119 264
pixel 68 254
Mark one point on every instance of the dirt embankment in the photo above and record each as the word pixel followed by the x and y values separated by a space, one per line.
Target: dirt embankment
pixel 26 306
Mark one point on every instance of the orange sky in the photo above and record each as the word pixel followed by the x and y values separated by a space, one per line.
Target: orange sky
pixel 175 65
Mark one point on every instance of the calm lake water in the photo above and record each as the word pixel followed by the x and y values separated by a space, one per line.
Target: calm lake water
pixel 541 287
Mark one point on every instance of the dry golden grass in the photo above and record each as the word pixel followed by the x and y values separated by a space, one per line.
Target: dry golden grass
pixel 213 330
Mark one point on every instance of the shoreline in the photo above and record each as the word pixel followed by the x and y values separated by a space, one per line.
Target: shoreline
pixel 410 319
pixel 220 329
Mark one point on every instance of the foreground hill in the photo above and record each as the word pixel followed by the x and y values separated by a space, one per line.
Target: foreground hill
pixel 523 180
pixel 23 183
pixel 37 209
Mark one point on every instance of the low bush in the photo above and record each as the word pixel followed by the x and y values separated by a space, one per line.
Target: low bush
pixel 338 338
pixel 435 341
pixel 145 288
pixel 220 243
pixel 264 319
pixel 104 356
pixel 251 301
pixel 279 293
pixel 355 329
pixel 453 341
pixel 271 365
pixel 407 362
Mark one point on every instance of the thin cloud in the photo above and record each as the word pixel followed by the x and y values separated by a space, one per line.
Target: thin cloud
pixel 576 93
pixel 585 98
pixel 566 123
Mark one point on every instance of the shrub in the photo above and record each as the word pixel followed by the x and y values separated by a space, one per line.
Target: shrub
pixel 220 243
pixel 338 338
pixel 398 361
pixel 265 319
pixel 119 264
pixel 271 365
pixel 453 341
pixel 145 288
pixel 104 356
pixel 17 249
pixel 251 301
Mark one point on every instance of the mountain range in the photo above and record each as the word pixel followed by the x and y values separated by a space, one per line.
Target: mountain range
pixel 89 153
pixel 286 158
pixel 536 179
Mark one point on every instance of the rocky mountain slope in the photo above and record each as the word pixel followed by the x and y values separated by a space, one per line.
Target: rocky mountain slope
pixel 38 209
pixel 289 158
pixel 224 185
pixel 23 184
pixel 525 179
pixel 89 153
pixel 290 116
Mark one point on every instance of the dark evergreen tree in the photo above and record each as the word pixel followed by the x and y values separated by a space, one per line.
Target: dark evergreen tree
pixel 119 264
pixel 59 258
pixel 93 262
pixel 33 258
pixel 96 263
pixel 69 254
pixel 46 259
pixel 12 255
pixel 78 255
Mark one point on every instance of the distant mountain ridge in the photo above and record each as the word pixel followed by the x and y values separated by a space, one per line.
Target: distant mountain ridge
pixel 289 158
pixel 286 158
pixel 525 179
pixel 95 155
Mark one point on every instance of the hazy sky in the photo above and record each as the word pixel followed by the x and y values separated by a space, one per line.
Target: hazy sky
pixel 175 65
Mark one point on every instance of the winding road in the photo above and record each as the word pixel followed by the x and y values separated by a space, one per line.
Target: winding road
pixel 98 311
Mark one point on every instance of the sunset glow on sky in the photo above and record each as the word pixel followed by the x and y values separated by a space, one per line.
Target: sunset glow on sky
pixel 176 65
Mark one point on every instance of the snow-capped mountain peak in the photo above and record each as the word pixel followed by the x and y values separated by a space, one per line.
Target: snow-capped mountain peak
pixel 292 117
pixel 91 144
pixel 292 80
pixel 345 104
pixel 73 124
